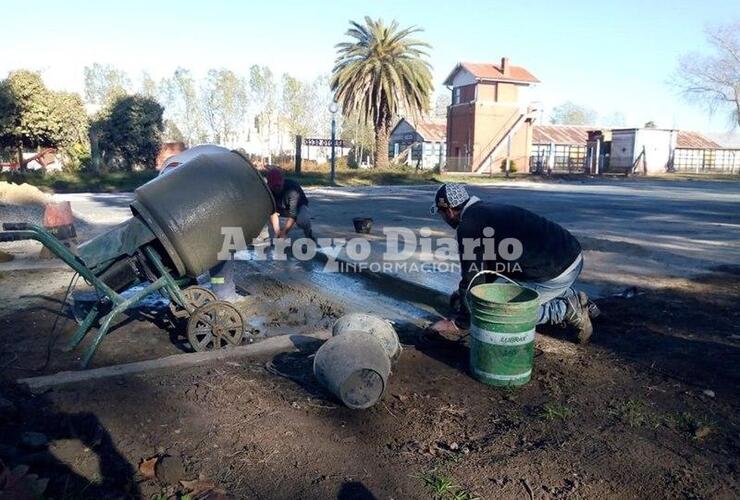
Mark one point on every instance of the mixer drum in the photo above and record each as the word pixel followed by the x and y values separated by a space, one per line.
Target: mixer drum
pixel 187 208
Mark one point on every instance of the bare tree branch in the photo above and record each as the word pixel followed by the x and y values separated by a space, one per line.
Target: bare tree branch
pixel 714 79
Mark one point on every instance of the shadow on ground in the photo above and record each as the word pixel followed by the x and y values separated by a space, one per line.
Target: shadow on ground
pixel 74 451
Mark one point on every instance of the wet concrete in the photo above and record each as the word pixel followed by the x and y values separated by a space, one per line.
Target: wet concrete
pixel 354 292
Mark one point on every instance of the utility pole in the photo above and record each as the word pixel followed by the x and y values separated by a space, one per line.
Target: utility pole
pixel 333 109
pixel 508 154
pixel 298 154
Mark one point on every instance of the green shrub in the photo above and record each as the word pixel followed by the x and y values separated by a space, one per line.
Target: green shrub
pixel 512 166
pixel 76 157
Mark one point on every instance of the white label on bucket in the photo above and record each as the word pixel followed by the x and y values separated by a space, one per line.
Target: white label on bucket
pixel 501 338
pixel 496 376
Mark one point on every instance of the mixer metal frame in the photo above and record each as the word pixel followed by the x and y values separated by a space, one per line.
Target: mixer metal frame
pixel 163 283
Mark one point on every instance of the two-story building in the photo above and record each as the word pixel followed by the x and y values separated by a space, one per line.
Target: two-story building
pixel 490 117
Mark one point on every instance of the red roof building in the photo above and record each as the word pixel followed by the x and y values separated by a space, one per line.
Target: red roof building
pixel 490 118
pixel 486 72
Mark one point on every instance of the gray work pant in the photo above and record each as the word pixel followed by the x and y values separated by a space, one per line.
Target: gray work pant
pixel 554 293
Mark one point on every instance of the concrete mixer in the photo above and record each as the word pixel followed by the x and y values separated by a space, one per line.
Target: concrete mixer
pixel 173 236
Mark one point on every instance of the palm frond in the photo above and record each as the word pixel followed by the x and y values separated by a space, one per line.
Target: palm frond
pixel 382 71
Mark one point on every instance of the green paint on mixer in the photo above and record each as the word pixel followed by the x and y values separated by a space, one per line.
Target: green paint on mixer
pixel 503 318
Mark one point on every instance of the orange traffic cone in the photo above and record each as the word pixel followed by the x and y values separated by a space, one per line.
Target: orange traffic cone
pixel 58 219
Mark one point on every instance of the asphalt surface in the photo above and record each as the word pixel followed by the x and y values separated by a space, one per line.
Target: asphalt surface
pixel 634 231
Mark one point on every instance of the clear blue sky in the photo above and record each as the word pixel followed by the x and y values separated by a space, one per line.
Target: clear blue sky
pixel 611 56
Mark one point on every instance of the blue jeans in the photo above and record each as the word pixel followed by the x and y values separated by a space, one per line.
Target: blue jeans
pixel 554 293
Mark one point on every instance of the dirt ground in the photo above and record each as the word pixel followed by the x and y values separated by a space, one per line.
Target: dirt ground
pixel 39 333
pixel 649 410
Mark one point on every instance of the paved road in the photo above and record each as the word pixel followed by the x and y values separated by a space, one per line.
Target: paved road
pixel 633 231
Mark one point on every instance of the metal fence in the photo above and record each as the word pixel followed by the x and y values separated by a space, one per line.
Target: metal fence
pixel 458 164
pixel 720 161
pixel 568 159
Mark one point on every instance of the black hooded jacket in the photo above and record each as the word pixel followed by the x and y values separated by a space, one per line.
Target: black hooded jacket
pixel 547 248
pixel 290 199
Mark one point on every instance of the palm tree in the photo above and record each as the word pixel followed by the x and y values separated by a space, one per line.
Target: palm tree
pixel 379 74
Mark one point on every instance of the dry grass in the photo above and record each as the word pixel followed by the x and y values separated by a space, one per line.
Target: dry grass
pixel 312 175
pixel 81 182
pixel 21 194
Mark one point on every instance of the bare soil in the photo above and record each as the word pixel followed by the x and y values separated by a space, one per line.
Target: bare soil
pixel 38 322
pixel 648 410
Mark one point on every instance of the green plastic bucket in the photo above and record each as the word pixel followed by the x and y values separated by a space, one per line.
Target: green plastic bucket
pixel 503 319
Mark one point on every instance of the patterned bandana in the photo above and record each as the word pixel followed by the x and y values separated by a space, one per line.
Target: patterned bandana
pixel 449 196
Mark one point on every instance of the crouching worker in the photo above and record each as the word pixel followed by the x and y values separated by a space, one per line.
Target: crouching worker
pixel 291 203
pixel 540 255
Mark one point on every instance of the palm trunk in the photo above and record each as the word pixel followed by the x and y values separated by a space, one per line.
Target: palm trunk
pixel 381 146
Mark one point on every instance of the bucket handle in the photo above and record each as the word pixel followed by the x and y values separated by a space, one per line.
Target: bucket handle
pixel 481 273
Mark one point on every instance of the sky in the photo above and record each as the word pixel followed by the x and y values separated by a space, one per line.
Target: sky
pixel 612 56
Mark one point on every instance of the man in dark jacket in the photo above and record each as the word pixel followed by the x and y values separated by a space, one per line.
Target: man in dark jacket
pixel 531 250
pixel 291 203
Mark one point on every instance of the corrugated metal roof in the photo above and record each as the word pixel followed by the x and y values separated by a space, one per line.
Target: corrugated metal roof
pixel 694 140
pixel 492 72
pixel 430 130
pixel 560 134
pixel 577 135
pixel 433 131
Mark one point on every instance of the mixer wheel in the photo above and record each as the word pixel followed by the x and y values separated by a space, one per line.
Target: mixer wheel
pixel 196 296
pixel 215 325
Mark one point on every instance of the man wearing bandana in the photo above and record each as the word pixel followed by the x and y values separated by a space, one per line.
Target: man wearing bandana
pixel 544 256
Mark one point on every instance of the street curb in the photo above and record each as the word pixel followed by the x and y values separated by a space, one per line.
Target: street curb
pixel 272 345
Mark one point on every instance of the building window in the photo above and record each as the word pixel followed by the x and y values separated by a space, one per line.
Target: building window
pixel 456 95
pixel 416 152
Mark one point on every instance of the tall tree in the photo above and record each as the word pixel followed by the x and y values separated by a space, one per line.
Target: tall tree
pixel 295 110
pixel 381 71
pixel 24 113
pixel 32 116
pixel 321 97
pixel 570 113
pixel 104 83
pixel 356 131
pixel 714 80
pixel 68 111
pixel 263 94
pixel 171 132
pixel 149 87
pixel 183 105
pixel 129 131
pixel 225 101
